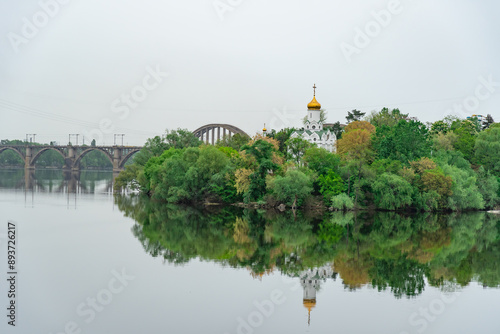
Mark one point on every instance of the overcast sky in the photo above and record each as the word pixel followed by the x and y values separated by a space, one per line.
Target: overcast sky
pixel 100 67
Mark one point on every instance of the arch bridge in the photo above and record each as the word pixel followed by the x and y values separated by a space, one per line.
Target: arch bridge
pixel 207 132
pixel 72 154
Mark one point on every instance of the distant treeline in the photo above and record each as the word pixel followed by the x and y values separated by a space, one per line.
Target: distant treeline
pixel 52 159
pixel 385 161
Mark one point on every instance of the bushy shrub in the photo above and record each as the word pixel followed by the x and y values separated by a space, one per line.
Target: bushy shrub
pixel 342 202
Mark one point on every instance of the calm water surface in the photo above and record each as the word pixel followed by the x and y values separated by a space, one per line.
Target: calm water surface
pixel 91 262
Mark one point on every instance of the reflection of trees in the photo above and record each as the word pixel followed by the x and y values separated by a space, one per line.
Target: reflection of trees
pixel 405 277
pixel 387 250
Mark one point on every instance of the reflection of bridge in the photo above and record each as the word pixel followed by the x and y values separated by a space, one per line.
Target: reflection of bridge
pixel 72 155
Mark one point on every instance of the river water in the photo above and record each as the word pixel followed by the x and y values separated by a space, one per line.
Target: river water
pixel 91 262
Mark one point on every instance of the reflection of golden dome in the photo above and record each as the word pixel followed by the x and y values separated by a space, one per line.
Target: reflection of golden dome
pixel 309 304
pixel 314 104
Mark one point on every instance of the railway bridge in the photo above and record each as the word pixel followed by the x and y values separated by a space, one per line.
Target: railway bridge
pixel 73 154
pixel 117 155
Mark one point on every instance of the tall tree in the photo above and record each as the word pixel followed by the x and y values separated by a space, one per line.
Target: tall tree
pixel 338 129
pixel 466 132
pixel 297 147
pixel 386 117
pixel 355 115
pixel 487 150
pixel 407 141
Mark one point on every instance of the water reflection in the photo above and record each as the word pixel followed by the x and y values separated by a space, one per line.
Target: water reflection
pixel 386 251
pixel 56 181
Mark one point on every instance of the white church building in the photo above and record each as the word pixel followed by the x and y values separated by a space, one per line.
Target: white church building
pixel 313 130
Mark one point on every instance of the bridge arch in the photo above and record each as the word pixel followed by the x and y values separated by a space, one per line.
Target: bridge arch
pixel 76 164
pixel 127 157
pixel 43 150
pixel 3 149
pixel 207 133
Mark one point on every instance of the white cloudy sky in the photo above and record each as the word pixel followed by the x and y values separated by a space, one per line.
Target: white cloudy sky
pixel 255 66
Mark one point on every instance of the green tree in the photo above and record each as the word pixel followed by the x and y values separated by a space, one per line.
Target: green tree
pixel 440 127
pixel 320 160
pixel 386 117
pixel 297 147
pixel 330 184
pixel 263 152
pixel 181 138
pixel 282 137
pixel 466 137
pixel 236 141
pixel 342 202
pixel 392 192
pixel 353 116
pixel 465 193
pixel 338 130
pixel 293 188
pixel 487 150
pixel 488 187
pixel 406 141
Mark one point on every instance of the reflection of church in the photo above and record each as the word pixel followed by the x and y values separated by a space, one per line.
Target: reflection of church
pixel 310 281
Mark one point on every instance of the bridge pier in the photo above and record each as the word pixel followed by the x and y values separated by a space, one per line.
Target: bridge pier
pixel 29 178
pixel 117 157
pixel 69 160
pixel 27 159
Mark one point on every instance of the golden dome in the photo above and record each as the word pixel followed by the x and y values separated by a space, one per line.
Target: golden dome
pixel 314 104
pixel 264 130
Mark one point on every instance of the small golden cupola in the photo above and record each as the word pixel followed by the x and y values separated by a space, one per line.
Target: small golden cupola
pixel 314 104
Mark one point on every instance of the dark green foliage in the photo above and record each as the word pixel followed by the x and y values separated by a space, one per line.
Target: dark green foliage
pixel 404 277
pixel 320 160
pixel 355 115
pixel 386 117
pixel 467 133
pixel 338 129
pixel 292 189
pixel 96 160
pixel 392 192
pixel 406 141
pixel 282 137
pixel 187 175
pixel 487 150
pixel 9 158
pixel 386 166
pixel 297 147
pixel 330 184
pixel 262 151
pixel 235 141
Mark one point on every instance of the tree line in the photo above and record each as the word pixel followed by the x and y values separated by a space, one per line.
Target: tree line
pixel 385 160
